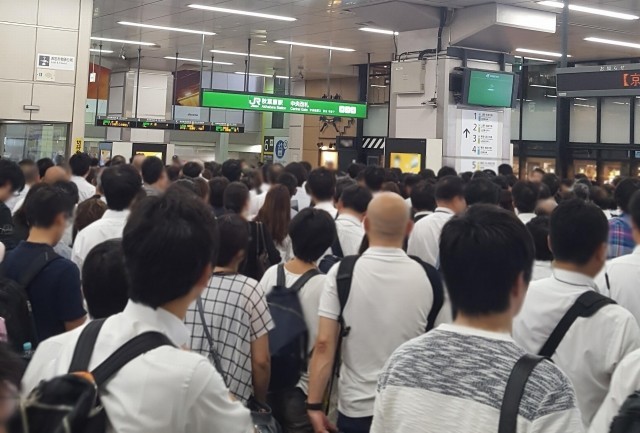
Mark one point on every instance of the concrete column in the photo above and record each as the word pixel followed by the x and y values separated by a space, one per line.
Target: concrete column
pixel 222 148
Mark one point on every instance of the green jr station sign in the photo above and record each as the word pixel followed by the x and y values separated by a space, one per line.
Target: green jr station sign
pixel 282 104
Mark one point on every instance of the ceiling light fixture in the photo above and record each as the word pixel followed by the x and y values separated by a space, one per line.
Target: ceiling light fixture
pixel 612 42
pixel 171 29
pixel 255 74
pixel 324 47
pixel 381 31
pixel 535 59
pixel 550 96
pixel 123 41
pixel 377 85
pixel 588 10
pixel 186 59
pixel 234 53
pixel 542 86
pixel 98 50
pixel 239 12
pixel 539 52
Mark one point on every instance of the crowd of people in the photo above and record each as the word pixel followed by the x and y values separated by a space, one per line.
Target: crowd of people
pixel 368 300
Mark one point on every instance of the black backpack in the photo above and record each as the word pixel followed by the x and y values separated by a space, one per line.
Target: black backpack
pixel 71 403
pixel 15 307
pixel 329 260
pixel 289 340
pixel 628 418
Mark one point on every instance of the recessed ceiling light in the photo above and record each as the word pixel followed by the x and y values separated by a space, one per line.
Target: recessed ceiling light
pixel 381 31
pixel 234 53
pixel 171 29
pixel 588 10
pixel 122 41
pixel 186 59
pixel 98 50
pixel 239 12
pixel 612 42
pixel 536 59
pixel 539 52
pixel 255 74
pixel 324 47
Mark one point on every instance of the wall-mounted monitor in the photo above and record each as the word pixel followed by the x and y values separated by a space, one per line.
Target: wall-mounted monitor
pixel 489 88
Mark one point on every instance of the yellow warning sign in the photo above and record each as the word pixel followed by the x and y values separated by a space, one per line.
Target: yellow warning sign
pixel 79 147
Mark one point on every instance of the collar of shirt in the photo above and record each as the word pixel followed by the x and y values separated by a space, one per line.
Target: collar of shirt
pixel 444 210
pixel 325 205
pixel 385 251
pixel 350 218
pixel 160 320
pixel 574 278
pixel 467 330
pixel 120 215
pixel 423 212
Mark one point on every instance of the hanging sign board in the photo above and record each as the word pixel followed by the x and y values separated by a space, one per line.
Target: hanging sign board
pixel 604 80
pixel 479 134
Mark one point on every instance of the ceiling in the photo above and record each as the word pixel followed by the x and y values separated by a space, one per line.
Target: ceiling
pixel 326 22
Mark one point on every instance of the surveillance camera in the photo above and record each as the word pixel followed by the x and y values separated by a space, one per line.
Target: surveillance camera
pixel 320 145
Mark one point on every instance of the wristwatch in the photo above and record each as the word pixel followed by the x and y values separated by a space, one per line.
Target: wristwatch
pixel 315 406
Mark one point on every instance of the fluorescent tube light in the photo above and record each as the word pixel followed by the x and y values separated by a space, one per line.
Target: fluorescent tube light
pixel 539 52
pixel 235 53
pixel 324 47
pixel 589 10
pixel 187 59
pixel 255 74
pixel 98 50
pixel 381 31
pixel 171 29
pixel 612 42
pixel 542 86
pixel 240 12
pixel 122 41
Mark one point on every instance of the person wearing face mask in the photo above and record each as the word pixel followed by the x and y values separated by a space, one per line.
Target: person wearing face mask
pixel 261 252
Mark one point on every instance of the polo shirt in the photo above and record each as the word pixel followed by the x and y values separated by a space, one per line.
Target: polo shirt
pixel 110 226
pixel 525 217
pixel 328 207
pixel 55 293
pixel 389 302
pixel 350 233
pixel 623 274
pixel 424 241
pixel 591 349
pixel 166 390
pixel 85 189
pixel 541 269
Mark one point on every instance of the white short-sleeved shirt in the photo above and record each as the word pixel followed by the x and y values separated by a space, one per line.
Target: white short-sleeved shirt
pixel 166 390
pixel 85 189
pixel 424 241
pixel 301 198
pixel 110 226
pixel 309 297
pixel 541 269
pixel 328 207
pixel 350 234
pixel 525 217
pixel 389 303
pixel 591 349
pixel 623 274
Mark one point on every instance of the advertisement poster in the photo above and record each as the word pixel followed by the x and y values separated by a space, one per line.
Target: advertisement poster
pixel 280 149
pixel 407 162
pixel 188 89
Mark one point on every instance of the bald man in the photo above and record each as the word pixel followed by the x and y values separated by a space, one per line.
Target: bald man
pixel 390 299
pixel 55 174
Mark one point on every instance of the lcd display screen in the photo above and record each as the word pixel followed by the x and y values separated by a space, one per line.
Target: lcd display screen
pixel 407 162
pixel 489 88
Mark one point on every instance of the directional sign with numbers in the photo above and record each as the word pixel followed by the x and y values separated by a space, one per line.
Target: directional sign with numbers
pixel 479 134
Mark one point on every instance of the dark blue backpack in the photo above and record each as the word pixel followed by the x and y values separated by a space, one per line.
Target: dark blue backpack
pixel 289 340
pixel 329 260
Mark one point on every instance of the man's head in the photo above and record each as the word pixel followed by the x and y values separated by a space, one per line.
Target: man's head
pixel 234 240
pixel 11 179
pixel 449 193
pixel 30 171
pixel 624 191
pixel 104 280
pixel 578 236
pixel 48 208
pixel 355 169
pixel 80 164
pixel 408 182
pixel 271 172
pixel 446 171
pixel 482 191
pixel 117 160
pixel 44 164
pixel 496 253
pixel 298 170
pixel 232 170
pixel 355 199
pixel 192 170
pixel 236 199
pixel 321 184
pixel 154 173
pixel 70 188
pixel 552 182
pixel 169 246
pixel 525 196
pixel 217 186
pixel 120 184
pixel 341 184
pixel 388 221
pixel 539 231
pixel 505 170
pixel 312 232
pixel 423 197
pixel 290 181
pixel 536 175
pixel 137 160
pixel 55 174
pixel 374 177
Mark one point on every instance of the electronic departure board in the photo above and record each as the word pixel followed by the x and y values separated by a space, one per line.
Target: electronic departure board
pixel 603 80
pixel 192 126
pixel 234 129
pixel 177 125
pixel 117 122
pixel 155 124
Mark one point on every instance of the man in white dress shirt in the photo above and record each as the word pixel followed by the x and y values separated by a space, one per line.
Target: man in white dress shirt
pixel 525 200
pixel 322 187
pixel 593 346
pixel 121 185
pixel 352 208
pixel 31 177
pixel 425 238
pixel 168 245
pixel 270 173
pixel 301 200
pixel 80 164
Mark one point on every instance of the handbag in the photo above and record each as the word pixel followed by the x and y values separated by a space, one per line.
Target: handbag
pixel 261 413
pixel 262 254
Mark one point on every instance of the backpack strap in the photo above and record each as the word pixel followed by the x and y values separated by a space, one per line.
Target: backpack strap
pixel 513 393
pixel 586 305
pixel 438 292
pixel 304 279
pixel 343 281
pixel 336 248
pixel 281 279
pixel 36 267
pixel 217 361
pixel 84 346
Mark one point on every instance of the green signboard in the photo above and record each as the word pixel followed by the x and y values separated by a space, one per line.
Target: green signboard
pixel 282 104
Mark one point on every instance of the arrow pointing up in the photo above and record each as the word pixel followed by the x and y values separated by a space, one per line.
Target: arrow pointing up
pixel 466 133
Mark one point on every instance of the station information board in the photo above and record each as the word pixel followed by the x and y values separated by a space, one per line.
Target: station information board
pixel 603 80
pixel 282 104
pixel 171 125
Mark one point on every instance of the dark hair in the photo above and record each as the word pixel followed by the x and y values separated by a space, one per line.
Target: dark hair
pixel 634 209
pixel 577 230
pixel 466 177
pixel 506 200
pixel 202 188
pixel 307 166
pixel 116 160
pixel 543 192
pixel 168 243
pixel 447 171
pixel 624 191
pixel 391 187
pixel 490 173
pixel 482 190
pixel 270 172
pixel 275 214
pixel 525 196
pixel 80 164
pixel 104 280
pixel 501 181
pixel 70 188
pixel 448 188
pixel 10 172
pixel 356 198
pixel 505 170
pixel 602 198
pixel 494 249
pixel 428 174
pixel 214 168
pixel 232 170
pixel 312 232
pixel 217 186
pixel 44 164
pixel 120 184
pixel 322 184
pixel 539 230
pixel 186 185
pixel 582 191
pixel 234 237
pixel 410 180
pixel 355 169
pixel 374 177
pixel 298 170
pixel 290 181
pixel 423 197
pixel 192 169
pixel 45 204
pixel 173 173
pixel 152 169
pixel 88 211
pixel 30 171
pixel 538 170
pixel 236 196
pixel 341 184
pixel 552 181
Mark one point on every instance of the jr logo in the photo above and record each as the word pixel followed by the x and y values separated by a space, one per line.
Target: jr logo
pixel 255 102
